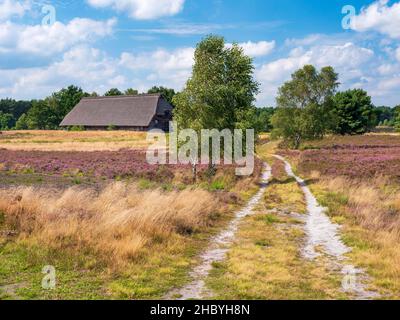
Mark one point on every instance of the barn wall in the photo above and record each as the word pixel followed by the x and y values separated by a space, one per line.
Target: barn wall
pixel 104 128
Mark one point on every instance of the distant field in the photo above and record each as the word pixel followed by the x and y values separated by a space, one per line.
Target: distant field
pixel 72 141
pixel 361 157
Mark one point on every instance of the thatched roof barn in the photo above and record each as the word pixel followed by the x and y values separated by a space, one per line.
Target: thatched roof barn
pixel 139 113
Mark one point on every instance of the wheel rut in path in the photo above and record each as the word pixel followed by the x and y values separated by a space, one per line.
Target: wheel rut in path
pixel 323 234
pixel 216 252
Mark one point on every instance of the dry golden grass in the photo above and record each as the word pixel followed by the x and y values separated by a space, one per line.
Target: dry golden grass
pixel 117 224
pixel 374 205
pixel 72 141
pixel 370 215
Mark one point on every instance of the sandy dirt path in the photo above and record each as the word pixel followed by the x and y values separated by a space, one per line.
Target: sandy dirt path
pixel 218 249
pixel 323 237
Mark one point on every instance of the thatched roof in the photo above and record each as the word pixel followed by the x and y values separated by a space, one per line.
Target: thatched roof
pixel 124 111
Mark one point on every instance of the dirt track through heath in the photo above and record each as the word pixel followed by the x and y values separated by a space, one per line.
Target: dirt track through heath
pixel 218 248
pixel 323 238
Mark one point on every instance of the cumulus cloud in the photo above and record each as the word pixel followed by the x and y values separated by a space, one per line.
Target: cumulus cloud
pixel 398 54
pixel 170 68
pixel 10 8
pixel 81 65
pixel 346 59
pixel 257 49
pixel 142 9
pixel 348 55
pixel 94 70
pixel 45 40
pixel 381 17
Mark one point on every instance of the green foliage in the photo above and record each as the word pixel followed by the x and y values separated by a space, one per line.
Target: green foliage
pixel 354 112
pixel 396 118
pixel 6 120
pixel 217 185
pixel 113 92
pixel 221 91
pixel 111 127
pixel 48 113
pixel 22 123
pixel 263 120
pixel 167 93
pixel 304 105
pixel 15 108
pixel 384 116
pixel 76 128
pixel 65 100
pixel 131 92
pixel 42 115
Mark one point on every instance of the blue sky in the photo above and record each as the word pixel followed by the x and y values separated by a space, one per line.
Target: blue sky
pixel 99 44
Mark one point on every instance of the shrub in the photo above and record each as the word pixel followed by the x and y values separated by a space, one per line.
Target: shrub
pixel 77 128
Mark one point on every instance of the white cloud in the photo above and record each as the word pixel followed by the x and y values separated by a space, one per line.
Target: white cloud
pixel 160 59
pixel 142 9
pixel 388 69
pixel 9 9
pixel 94 70
pixel 170 68
pixel 82 65
pixel 398 54
pixel 257 49
pixel 308 40
pixel 45 40
pixel 346 59
pixel 380 17
pixel 347 55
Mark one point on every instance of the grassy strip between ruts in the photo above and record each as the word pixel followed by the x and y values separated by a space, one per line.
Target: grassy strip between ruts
pixel 266 262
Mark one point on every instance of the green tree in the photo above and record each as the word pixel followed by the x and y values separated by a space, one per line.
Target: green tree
pixel 304 105
pixel 43 115
pixel 396 117
pixel 354 112
pixel 221 91
pixel 113 92
pixel 15 108
pixel 167 93
pixel 22 123
pixel 48 113
pixel 6 120
pixel 264 116
pixel 131 92
pixel 64 101
pixel 384 115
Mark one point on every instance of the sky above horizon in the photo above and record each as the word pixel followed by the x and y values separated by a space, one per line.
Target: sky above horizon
pixel 100 44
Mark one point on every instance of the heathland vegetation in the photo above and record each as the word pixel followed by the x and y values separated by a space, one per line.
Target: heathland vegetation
pixel 113 226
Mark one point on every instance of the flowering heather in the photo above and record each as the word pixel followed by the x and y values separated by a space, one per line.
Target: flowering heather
pixel 355 157
pixel 107 164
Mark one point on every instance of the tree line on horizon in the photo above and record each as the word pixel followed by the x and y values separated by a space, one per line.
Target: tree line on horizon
pixel 47 114
pixel 221 94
